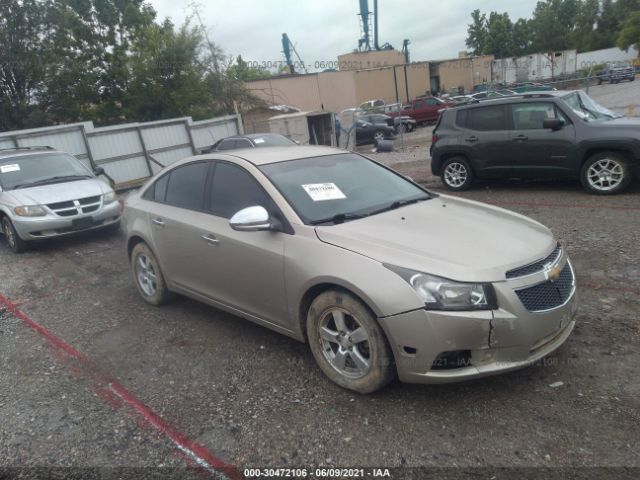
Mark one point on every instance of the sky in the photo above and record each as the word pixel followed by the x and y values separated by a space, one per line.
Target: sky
pixel 323 29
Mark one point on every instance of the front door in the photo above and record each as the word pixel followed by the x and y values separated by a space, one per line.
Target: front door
pixel 542 152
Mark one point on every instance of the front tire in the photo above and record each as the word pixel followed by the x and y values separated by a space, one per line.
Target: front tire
pixel 148 277
pixel 379 136
pixel 456 174
pixel 16 244
pixel 348 344
pixel 606 173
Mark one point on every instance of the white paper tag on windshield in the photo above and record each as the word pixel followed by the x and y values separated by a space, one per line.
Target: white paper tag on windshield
pixel 323 191
pixel 258 140
pixel 14 167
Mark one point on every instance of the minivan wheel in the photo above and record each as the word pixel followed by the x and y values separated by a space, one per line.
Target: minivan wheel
pixel 16 244
pixel 347 342
pixel 457 174
pixel 148 276
pixel 606 173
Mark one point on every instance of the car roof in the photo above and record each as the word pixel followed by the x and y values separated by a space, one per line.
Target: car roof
pixel 264 156
pixel 251 136
pixel 524 96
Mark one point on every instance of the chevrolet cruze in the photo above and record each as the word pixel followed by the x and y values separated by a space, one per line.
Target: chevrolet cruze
pixel 380 277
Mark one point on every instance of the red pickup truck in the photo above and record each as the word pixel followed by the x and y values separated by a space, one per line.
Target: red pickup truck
pixel 423 109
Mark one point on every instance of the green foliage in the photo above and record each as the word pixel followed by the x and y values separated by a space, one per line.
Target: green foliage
pixel 241 70
pixel 557 25
pixel 108 61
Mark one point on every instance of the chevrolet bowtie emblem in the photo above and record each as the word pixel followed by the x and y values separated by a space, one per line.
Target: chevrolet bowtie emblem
pixel 554 273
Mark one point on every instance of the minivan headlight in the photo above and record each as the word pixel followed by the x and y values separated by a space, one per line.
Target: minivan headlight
pixel 439 293
pixel 109 197
pixel 30 211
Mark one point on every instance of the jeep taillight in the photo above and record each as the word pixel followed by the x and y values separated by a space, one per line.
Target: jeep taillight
pixel 434 139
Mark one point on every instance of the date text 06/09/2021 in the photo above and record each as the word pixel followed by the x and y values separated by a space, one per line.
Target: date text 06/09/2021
pixel 326 472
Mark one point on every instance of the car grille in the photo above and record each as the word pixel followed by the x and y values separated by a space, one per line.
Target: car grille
pixel 536 266
pixel 550 294
pixel 75 207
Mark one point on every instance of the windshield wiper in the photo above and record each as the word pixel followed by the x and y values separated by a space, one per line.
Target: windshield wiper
pixel 51 180
pixel 339 218
pixel 398 204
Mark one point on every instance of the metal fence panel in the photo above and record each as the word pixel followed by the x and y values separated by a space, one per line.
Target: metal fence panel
pixel 129 153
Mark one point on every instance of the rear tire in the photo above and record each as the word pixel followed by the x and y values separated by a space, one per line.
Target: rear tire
pixel 606 173
pixel 148 277
pixel 348 344
pixel 456 174
pixel 16 244
pixel 379 136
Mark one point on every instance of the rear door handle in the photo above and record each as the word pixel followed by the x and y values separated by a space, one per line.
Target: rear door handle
pixel 520 138
pixel 210 239
pixel 471 139
pixel 158 221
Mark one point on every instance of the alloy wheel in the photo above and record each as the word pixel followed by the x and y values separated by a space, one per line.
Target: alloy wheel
pixel 146 275
pixel 378 137
pixel 345 343
pixel 605 175
pixel 455 174
pixel 8 233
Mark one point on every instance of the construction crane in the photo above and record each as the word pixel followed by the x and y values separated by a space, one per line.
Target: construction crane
pixel 364 43
pixel 287 48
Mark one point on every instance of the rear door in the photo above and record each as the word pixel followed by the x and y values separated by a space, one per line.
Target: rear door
pixel 485 137
pixel 541 152
pixel 178 222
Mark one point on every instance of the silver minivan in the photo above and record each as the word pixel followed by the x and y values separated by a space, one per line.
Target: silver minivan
pixel 45 193
pixel 380 277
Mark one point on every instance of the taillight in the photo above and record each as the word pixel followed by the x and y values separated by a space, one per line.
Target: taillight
pixel 434 139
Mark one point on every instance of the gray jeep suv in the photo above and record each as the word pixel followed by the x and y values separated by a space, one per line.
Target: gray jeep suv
pixel 559 134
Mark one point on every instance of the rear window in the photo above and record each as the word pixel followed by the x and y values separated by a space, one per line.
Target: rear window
pixel 487 118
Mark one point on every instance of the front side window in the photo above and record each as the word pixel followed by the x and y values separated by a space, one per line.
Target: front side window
pixel 186 186
pixel 227 144
pixel 345 185
pixel 233 189
pixel 530 116
pixel 487 118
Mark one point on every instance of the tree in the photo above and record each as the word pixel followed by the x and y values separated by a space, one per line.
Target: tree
pixel 25 46
pixel 477 33
pixel 629 35
pixel 522 37
pixel 241 70
pixel 499 38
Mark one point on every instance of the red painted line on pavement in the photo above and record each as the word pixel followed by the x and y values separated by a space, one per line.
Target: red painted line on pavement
pixel 110 387
pixel 563 205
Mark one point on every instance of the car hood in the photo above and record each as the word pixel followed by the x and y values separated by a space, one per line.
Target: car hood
pixel 621 122
pixel 448 237
pixel 58 192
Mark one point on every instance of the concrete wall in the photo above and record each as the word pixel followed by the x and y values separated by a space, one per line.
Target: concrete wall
pixel 464 72
pixel 300 91
pixel 371 59
pixel 586 60
pixel 537 66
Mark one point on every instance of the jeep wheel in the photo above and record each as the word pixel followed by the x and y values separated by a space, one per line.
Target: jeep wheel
pixel 605 173
pixel 457 174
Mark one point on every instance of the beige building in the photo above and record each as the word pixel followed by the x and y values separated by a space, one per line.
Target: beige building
pixel 449 75
pixel 335 91
pixel 370 59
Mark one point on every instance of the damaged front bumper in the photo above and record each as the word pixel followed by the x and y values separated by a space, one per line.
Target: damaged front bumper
pixel 441 347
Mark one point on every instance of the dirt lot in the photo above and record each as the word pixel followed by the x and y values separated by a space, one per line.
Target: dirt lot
pixel 163 388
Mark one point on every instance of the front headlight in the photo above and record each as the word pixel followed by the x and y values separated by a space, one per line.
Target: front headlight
pixel 30 211
pixel 442 294
pixel 109 197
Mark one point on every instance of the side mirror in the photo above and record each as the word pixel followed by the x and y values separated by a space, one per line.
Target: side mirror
pixel 552 123
pixel 98 171
pixel 251 219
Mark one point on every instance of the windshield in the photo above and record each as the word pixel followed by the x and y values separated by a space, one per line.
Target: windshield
pixel 335 188
pixel 30 170
pixel 272 141
pixel 587 108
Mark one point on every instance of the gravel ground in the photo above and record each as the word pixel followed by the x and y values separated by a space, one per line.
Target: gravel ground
pixel 256 398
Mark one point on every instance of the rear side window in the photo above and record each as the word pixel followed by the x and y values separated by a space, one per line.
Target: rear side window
pixel 487 118
pixel 233 189
pixel 158 190
pixel 461 118
pixel 186 186
pixel 227 144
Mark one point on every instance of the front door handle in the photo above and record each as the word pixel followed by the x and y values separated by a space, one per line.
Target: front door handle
pixel 472 139
pixel 520 138
pixel 210 239
pixel 158 221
